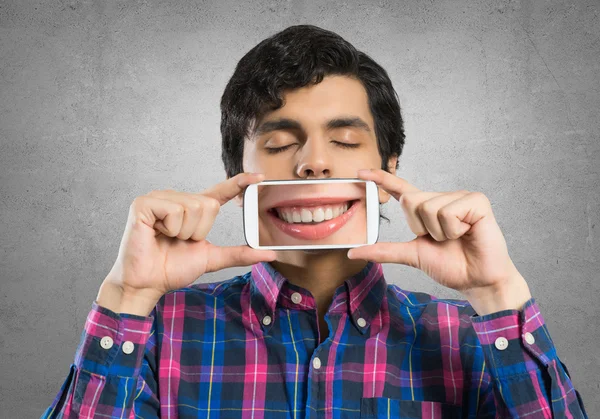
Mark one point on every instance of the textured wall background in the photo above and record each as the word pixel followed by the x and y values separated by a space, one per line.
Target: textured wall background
pixel 106 100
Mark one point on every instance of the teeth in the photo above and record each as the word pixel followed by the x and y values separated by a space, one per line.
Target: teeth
pixel 304 215
pixel 318 215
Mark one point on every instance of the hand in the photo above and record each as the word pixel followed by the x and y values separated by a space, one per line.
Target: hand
pixel 458 244
pixel 164 246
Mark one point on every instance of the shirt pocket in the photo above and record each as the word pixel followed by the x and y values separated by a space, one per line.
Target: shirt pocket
pixel 382 407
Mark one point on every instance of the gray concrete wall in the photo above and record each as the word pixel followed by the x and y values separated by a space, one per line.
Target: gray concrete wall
pixel 106 100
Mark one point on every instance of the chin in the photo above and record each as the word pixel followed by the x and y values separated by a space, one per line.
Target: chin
pixel 316 251
pixel 319 251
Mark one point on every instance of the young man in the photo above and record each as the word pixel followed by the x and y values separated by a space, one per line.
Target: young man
pixel 313 334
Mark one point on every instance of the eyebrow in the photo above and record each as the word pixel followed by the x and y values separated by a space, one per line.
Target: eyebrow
pixel 286 123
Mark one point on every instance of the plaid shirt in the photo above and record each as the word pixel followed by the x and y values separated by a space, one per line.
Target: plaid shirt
pixel 248 347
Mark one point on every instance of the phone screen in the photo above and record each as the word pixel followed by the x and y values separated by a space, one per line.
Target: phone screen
pixel 312 214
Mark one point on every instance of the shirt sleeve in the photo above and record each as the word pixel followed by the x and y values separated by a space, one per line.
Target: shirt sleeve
pixel 114 370
pixel 528 378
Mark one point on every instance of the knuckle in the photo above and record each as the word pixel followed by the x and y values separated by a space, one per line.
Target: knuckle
pixel 137 201
pixel 426 208
pixel 417 228
pixel 178 209
pixel 444 213
pixel 480 195
pixel 212 204
pixel 406 202
pixel 157 192
pixel 194 205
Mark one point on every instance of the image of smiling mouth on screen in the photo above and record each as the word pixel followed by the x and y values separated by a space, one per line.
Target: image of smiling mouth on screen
pixel 318 214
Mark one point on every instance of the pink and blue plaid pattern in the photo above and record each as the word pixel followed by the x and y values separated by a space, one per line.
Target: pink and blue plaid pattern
pixel 249 347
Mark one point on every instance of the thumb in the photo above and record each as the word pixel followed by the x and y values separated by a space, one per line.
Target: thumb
pixel 404 253
pixel 230 256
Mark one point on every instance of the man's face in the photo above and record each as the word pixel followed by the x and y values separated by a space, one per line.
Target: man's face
pixel 322 131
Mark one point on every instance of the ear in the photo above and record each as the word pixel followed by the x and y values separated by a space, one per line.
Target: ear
pixel 391 167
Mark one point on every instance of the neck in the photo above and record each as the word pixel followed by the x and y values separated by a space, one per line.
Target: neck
pixel 321 272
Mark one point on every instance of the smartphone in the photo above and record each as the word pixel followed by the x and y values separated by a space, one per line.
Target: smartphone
pixel 311 214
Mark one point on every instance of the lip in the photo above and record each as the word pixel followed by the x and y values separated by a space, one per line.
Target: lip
pixel 313 231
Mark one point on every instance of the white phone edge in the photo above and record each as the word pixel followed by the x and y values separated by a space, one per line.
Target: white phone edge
pixel 250 214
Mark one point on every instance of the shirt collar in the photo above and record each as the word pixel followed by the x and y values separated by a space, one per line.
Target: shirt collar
pixel 360 296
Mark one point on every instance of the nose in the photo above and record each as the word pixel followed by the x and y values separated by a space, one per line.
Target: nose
pixel 314 161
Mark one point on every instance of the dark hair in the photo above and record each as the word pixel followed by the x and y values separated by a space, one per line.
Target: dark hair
pixel 296 57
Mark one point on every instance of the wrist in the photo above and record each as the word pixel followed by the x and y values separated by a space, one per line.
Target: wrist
pixel 113 297
pixel 511 294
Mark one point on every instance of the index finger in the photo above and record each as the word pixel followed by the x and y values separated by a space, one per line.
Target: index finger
pixel 230 188
pixel 389 182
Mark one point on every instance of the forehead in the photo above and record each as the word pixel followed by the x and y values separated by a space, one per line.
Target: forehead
pixel 314 104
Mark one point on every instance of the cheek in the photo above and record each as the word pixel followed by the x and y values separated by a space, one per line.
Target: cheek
pixel 254 161
pixel 249 158
pixel 272 168
pixel 364 158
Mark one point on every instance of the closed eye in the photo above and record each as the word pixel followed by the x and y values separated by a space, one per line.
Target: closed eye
pixel 275 150
pixel 346 145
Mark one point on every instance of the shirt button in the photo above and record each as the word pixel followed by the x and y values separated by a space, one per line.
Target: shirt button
pixel 501 343
pixel 529 338
pixel 267 320
pixel 316 363
pixel 127 347
pixel 296 297
pixel 361 322
pixel 106 342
